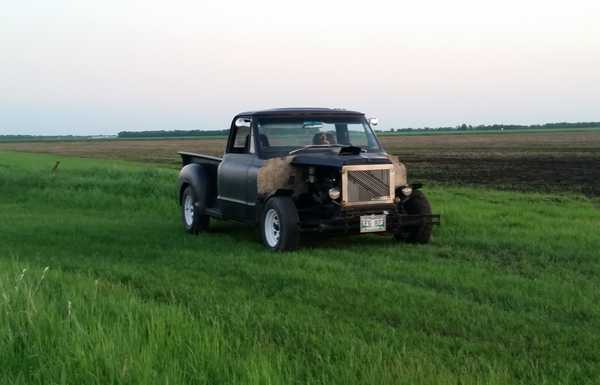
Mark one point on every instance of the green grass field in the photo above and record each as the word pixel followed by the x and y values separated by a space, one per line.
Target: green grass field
pixel 100 285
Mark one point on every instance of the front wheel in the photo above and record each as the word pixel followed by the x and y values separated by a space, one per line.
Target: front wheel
pixel 416 205
pixel 279 224
pixel 192 217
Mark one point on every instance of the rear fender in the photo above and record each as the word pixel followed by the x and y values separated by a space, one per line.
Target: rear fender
pixel 200 178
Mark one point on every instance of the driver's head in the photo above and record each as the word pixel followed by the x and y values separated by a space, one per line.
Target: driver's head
pixel 331 138
pixel 320 138
pixel 324 138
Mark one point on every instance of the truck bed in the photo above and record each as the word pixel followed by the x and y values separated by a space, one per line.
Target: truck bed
pixel 191 157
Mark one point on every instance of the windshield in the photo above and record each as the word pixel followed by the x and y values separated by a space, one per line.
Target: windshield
pixel 280 135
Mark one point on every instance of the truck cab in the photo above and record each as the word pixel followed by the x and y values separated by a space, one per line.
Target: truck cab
pixel 299 170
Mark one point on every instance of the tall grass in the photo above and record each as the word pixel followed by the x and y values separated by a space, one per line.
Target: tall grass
pixel 72 329
pixel 507 293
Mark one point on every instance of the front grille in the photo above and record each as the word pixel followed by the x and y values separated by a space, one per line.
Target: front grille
pixel 364 185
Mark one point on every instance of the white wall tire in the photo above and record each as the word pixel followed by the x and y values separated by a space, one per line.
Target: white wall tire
pixel 279 224
pixel 188 210
pixel 272 228
pixel 192 217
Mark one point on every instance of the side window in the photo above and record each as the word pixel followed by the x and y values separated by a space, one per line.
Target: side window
pixel 241 142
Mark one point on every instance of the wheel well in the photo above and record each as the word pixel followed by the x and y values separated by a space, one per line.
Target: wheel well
pixel 263 201
pixel 278 193
pixel 184 185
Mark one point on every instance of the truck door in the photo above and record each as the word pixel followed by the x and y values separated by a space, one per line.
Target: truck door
pixel 235 200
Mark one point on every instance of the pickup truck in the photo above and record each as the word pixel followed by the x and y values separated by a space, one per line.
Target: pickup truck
pixel 294 171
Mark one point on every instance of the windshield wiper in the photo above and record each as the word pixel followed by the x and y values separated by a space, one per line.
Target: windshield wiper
pixel 314 146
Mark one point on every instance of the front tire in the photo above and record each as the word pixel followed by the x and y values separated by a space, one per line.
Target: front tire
pixel 194 221
pixel 416 205
pixel 279 224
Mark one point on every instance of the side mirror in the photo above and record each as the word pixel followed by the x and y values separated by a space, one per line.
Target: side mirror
pixel 373 122
pixel 243 123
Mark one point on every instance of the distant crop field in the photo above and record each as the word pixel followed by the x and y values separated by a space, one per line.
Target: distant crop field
pixel 526 161
pixel 100 285
pixel 540 161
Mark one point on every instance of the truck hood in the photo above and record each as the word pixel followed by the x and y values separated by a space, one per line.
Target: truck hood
pixel 338 161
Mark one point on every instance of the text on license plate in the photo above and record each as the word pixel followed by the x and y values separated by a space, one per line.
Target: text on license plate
pixel 372 223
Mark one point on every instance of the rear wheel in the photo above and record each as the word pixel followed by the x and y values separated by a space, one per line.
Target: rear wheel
pixel 192 217
pixel 416 205
pixel 279 224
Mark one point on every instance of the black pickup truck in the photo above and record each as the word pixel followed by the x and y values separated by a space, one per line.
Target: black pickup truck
pixel 298 170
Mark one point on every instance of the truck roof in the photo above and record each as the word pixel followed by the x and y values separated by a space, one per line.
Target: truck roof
pixel 302 111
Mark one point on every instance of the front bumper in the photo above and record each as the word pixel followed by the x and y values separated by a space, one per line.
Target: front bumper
pixel 348 220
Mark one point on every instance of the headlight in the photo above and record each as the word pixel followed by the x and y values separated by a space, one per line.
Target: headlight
pixel 406 191
pixel 334 193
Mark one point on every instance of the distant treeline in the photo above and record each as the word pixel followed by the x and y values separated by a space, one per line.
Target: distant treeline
pixel 171 134
pixel 224 133
pixel 462 127
pixel 499 127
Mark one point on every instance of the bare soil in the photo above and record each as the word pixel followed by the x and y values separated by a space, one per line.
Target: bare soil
pixel 548 161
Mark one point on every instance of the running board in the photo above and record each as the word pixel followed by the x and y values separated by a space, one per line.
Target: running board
pixel 213 212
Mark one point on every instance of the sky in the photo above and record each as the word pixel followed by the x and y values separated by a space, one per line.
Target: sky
pixel 98 67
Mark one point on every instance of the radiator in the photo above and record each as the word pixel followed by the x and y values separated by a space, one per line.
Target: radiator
pixel 367 184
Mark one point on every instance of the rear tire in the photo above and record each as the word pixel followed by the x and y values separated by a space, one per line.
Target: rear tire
pixel 416 205
pixel 279 224
pixel 192 216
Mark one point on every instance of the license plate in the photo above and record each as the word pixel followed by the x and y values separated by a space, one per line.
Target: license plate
pixel 372 223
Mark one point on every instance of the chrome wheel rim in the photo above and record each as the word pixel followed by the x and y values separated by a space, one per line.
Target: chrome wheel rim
pixel 188 210
pixel 272 228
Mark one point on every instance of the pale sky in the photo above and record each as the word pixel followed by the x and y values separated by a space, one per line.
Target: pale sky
pixel 99 67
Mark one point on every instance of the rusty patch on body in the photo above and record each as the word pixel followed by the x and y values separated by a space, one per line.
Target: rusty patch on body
pixel 278 173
